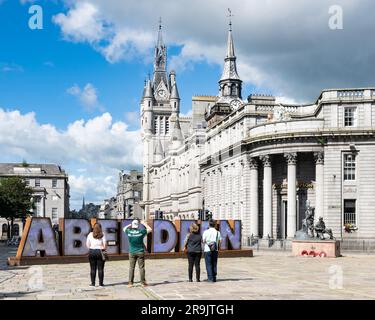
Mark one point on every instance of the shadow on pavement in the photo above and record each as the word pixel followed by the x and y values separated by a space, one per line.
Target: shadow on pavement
pixel 185 281
pixel 17 294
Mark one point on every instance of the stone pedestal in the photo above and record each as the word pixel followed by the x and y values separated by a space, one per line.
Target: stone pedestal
pixel 314 248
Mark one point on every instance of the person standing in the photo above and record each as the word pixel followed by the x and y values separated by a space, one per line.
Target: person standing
pixel 137 249
pixel 96 242
pixel 211 239
pixel 193 247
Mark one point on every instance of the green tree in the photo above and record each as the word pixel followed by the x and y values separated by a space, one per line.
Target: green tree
pixel 15 199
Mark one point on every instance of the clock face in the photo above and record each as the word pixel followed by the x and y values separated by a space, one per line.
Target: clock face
pixel 235 104
pixel 162 93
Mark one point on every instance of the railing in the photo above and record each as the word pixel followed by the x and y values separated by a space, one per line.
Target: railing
pixel 366 246
pixel 351 94
pixel 265 108
pixel 363 246
pixel 286 127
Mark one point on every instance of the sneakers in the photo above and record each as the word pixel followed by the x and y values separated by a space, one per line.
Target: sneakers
pixel 130 285
pixel 92 285
pixel 144 284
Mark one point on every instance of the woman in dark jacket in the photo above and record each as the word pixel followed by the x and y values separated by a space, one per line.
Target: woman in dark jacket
pixel 193 247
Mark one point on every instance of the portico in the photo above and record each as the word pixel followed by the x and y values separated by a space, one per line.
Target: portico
pixel 281 205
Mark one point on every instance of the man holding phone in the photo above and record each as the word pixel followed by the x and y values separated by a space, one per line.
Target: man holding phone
pixel 137 249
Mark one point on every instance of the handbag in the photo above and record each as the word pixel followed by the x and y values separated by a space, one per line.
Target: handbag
pixel 104 255
pixel 213 245
pixel 186 242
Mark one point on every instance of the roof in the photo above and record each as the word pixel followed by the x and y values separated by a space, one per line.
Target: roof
pixel 30 169
pixel 204 98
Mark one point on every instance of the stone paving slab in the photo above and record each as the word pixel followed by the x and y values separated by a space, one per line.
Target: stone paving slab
pixel 268 275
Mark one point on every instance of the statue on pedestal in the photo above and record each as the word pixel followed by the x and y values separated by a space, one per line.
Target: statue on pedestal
pixel 321 230
pixel 309 231
pixel 308 222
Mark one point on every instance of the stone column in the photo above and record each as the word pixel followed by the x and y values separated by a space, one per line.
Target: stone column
pixel 292 194
pixel 319 185
pixel 267 197
pixel 43 206
pixel 254 210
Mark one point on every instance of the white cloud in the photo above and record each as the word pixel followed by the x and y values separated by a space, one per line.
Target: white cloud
pixel 10 67
pixel 282 46
pixel 82 23
pixel 99 145
pixel 88 96
pixel 95 188
pixel 49 64
pixel 132 117
pixel 187 114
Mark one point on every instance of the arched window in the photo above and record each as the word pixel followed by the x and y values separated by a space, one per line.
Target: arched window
pixel 16 230
pixel 4 229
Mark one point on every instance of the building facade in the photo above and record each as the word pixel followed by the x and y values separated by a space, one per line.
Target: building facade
pixel 172 144
pixel 129 194
pixel 262 162
pixel 108 209
pixel 50 189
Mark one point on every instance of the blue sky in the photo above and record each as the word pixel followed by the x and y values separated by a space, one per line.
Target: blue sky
pixel 69 93
pixel 45 66
pixel 39 66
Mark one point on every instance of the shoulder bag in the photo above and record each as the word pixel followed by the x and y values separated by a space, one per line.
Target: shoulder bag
pixel 213 245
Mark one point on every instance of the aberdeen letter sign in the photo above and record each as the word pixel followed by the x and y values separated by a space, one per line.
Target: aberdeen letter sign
pixel 39 240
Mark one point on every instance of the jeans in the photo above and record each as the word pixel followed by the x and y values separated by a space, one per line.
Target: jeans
pixel 96 262
pixel 194 260
pixel 211 264
pixel 133 257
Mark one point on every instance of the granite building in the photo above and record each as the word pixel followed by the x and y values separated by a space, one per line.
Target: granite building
pixel 50 189
pixel 262 161
pixel 129 194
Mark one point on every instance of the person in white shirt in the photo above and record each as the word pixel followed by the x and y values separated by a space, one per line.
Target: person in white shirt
pixel 96 242
pixel 211 239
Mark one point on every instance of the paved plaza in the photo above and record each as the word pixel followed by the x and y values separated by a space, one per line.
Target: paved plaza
pixel 268 275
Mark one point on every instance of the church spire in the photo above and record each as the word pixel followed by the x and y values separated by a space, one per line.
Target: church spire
pixel 230 45
pixel 230 66
pixel 160 60
pixel 230 82
pixel 160 42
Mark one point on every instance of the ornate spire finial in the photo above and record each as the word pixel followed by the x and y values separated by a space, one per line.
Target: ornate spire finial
pixel 230 15
pixel 160 23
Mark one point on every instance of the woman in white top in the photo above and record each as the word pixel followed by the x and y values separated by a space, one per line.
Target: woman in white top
pixel 96 242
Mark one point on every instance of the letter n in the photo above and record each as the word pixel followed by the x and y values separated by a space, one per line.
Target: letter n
pixel 230 232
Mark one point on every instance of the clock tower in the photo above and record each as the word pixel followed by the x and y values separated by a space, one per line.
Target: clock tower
pixel 160 107
pixel 230 87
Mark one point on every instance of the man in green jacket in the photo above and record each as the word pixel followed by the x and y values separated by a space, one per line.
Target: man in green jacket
pixel 137 249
